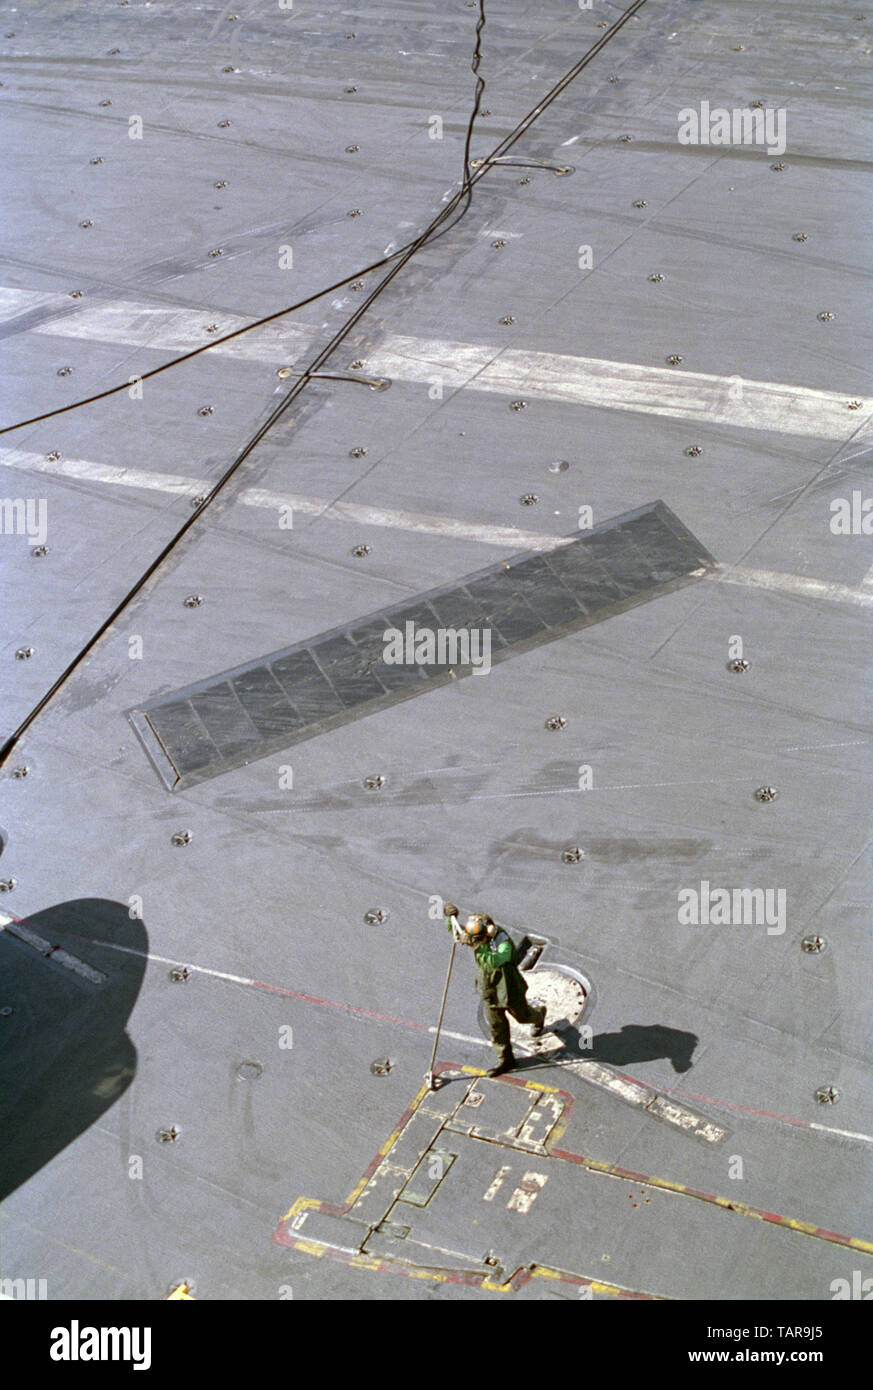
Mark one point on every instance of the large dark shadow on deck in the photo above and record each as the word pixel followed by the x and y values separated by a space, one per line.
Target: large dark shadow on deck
pixel 65 1056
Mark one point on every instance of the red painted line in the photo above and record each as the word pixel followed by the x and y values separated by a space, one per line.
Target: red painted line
pixel 680 1190
pixel 733 1105
pixel 425 1028
pixel 334 1004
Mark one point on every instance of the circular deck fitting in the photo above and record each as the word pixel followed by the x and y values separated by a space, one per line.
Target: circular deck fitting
pixel 640 203
pixel 24 653
pixel 376 916
pixel 381 1066
pixel 179 974
pixel 558 466
pixel 555 722
pixel 766 794
pixel 674 360
pixel 19 772
pixel 572 855
pixel 373 784
pixel 693 451
pixel 193 600
pixel 39 551
pixel 182 837
pixel 529 499
pixel 7 884
pixel 814 944
pixel 168 1136
pixel 360 552
pixel 827 1095
pixel 738 665
pixel 250 1071
pixel 518 405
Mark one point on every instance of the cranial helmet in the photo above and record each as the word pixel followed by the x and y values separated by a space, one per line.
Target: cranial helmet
pixel 479 927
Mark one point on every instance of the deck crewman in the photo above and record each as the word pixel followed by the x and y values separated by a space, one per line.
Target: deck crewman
pixel 500 982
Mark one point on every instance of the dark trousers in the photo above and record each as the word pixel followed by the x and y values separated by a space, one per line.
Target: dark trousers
pixel 521 1011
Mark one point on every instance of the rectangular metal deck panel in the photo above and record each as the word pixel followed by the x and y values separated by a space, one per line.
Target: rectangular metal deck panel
pixel 338 676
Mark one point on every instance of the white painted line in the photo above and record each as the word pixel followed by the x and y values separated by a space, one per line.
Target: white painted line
pixel 233 979
pixel 363 515
pixel 496 1183
pixel 179 330
pixel 527 1192
pixel 797 584
pixel 5 919
pixel 682 395
pixel 507 537
pixel 14 302
pixel 841 1133
pixel 88 471
pixel 461 1037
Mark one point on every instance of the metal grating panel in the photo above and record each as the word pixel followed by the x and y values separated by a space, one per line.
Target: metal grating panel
pixel 342 675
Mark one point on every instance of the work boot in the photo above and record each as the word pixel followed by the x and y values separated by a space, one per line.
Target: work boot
pixel 537 1028
pixel 505 1064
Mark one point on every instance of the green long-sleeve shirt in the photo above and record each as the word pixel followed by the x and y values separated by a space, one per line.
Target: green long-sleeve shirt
pixel 500 980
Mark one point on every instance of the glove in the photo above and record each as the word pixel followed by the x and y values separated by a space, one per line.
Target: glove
pixel 449 910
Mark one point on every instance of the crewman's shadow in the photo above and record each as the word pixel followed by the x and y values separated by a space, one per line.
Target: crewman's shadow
pixel 637 1042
